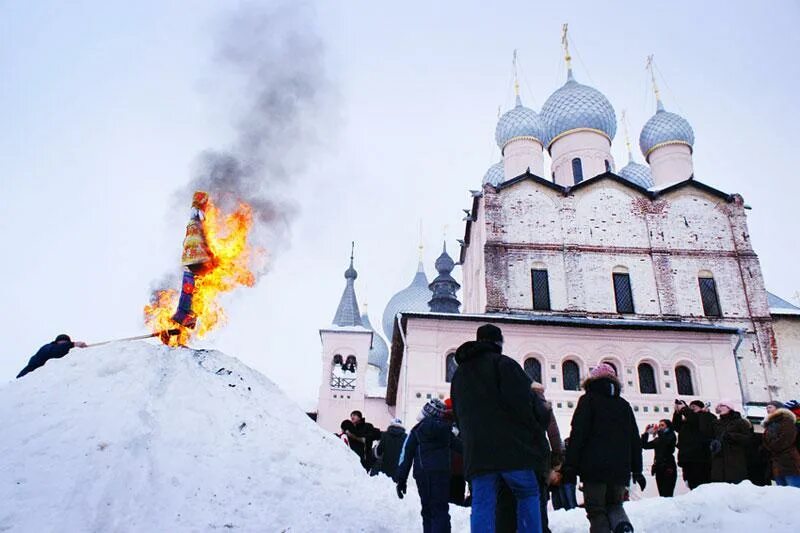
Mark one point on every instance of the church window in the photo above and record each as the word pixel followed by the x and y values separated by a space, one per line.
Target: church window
pixel 647 379
pixel 608 165
pixel 684 378
pixel 450 367
pixel 541 290
pixel 622 292
pixel 343 373
pixel 571 375
pixel 577 170
pixel 533 368
pixel 708 293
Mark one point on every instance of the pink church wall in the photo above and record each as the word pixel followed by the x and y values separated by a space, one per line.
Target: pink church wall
pixel 521 154
pixel 670 163
pixel 591 147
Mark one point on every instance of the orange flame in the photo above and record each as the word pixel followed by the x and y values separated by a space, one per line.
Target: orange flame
pixel 226 235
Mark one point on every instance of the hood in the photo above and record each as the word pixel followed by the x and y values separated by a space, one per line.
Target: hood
pixel 472 349
pixel 607 386
pixel 780 414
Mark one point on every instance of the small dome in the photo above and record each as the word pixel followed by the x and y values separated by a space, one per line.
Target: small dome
pixel 575 106
pixel 495 175
pixel 665 128
pixel 519 122
pixel 444 263
pixel 413 298
pixel 379 352
pixel 638 174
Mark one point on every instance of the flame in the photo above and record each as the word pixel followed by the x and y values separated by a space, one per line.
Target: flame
pixel 226 235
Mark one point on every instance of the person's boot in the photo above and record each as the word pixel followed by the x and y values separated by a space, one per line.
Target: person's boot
pixel 624 527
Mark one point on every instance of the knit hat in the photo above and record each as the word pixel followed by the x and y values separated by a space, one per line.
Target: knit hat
pixel 490 333
pixel 603 370
pixel 63 337
pixel 435 407
pixel 727 403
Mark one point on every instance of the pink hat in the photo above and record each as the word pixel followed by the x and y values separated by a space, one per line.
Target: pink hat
pixel 603 370
pixel 727 403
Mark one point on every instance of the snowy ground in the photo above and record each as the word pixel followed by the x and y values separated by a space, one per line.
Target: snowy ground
pixel 139 437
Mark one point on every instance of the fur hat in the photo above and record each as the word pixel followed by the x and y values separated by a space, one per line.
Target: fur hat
pixel 435 407
pixel 490 333
pixel 603 370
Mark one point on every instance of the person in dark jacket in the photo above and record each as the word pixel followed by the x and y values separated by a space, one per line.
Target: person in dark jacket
pixel 361 438
pixel 729 447
pixel 664 468
pixel 779 440
pixel 54 350
pixel 501 425
pixel 390 447
pixel 428 448
pixel 604 450
pixel 695 428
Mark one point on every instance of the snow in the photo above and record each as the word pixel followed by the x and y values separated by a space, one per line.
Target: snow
pixel 138 437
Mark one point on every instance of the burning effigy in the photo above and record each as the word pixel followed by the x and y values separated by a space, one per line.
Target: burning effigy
pixel 216 259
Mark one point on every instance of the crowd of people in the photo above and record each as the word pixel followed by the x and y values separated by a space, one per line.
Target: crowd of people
pixel 495 446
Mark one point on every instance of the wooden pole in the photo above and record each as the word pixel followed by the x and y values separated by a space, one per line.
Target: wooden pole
pixel 170 332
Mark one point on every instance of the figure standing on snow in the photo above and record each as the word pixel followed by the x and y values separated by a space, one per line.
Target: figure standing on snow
pixel 604 450
pixel 390 447
pixel 695 428
pixel 428 448
pixel 361 436
pixel 53 350
pixel 503 439
pixel 780 435
pixel 664 468
pixel 729 447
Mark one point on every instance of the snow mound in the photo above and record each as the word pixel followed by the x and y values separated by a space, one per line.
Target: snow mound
pixel 138 437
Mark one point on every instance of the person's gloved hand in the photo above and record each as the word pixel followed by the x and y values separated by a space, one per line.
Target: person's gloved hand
pixel 401 489
pixel 640 480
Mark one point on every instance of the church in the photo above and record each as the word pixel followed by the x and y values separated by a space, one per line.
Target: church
pixel 643 266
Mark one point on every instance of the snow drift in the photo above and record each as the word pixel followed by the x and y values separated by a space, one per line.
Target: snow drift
pixel 138 437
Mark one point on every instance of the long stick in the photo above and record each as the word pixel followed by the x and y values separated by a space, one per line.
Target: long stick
pixel 171 332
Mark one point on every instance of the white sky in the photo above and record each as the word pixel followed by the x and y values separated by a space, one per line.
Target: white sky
pixel 105 105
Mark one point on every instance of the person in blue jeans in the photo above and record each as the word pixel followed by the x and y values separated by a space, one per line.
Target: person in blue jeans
pixel 502 425
pixel 428 448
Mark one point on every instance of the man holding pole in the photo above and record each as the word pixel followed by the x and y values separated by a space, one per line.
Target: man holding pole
pixel 53 350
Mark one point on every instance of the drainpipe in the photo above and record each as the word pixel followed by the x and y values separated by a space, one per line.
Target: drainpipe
pixel 399 318
pixel 741 332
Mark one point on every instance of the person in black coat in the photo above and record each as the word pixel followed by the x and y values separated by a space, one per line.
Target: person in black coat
pixel 664 468
pixel 695 428
pixel 427 448
pixel 390 447
pixel 604 450
pixel 54 350
pixel 361 438
pixel 502 426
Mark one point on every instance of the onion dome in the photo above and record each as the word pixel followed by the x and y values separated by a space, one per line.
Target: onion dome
pixel 637 173
pixel 665 128
pixel 347 314
pixel 444 287
pixel 378 352
pixel 520 122
pixel 495 175
pixel 575 106
pixel 413 298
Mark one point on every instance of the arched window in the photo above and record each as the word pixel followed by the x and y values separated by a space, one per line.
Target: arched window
pixel 684 378
pixel 571 375
pixel 450 366
pixel 647 379
pixel 350 364
pixel 577 170
pixel 608 165
pixel 533 368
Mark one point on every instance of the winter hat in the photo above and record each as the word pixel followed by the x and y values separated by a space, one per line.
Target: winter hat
pixel 698 403
pixel 603 370
pixel 776 405
pixel 435 407
pixel 727 403
pixel 490 333
pixel 63 337
pixel 396 422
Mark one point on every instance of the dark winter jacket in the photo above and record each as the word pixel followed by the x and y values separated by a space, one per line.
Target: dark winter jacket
pixel 664 446
pixel 53 350
pixel 779 439
pixel 427 447
pixel 604 445
pixel 695 432
pixel 729 453
pixel 370 434
pixel 389 449
pixel 502 422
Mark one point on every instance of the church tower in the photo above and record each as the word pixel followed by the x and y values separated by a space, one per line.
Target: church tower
pixel 345 354
pixel 444 287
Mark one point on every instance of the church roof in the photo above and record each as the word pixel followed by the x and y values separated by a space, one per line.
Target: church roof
pixel 415 297
pixel 665 128
pixel 779 306
pixel 378 352
pixel 521 121
pixel 347 314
